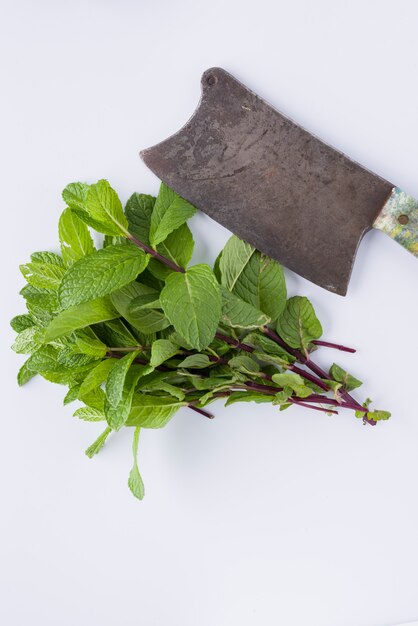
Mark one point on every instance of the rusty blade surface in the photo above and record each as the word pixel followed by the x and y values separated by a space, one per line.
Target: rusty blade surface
pixel 271 182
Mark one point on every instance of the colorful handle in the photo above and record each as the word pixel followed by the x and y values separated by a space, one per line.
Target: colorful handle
pixel 399 220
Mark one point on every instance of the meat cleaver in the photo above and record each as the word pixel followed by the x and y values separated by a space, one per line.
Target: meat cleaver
pixel 275 185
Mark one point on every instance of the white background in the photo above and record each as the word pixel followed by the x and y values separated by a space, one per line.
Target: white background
pixel 257 517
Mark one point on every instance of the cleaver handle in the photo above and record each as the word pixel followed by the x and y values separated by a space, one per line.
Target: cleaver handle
pixel 399 219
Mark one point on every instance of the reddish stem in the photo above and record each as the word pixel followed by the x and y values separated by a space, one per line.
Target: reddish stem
pixel 336 346
pixel 156 255
pixel 201 411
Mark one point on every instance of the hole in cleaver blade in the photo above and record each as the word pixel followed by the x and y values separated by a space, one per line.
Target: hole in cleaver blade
pixel 271 182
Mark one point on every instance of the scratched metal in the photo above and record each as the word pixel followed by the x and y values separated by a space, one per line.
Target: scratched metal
pixel 399 219
pixel 271 182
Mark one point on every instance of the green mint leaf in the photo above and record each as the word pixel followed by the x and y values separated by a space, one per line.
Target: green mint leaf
pixel 42 275
pixel 162 350
pixel 74 236
pixel 294 381
pixel 239 314
pixel 43 360
pixel 117 414
pixel 268 346
pixel 27 341
pixel 100 273
pixel 95 399
pixel 105 209
pixel 343 377
pixel 247 396
pixel 195 361
pixel 89 414
pixel 116 334
pixel 135 483
pixel 40 297
pixel 138 210
pixel 233 260
pixel 178 248
pixel 90 345
pixel 25 374
pixel 298 324
pixel 21 322
pixel 253 277
pixel 170 211
pixel 269 358
pixel 378 415
pixel 161 385
pixel 192 303
pixel 75 195
pixel 72 394
pixel 80 316
pixel 244 364
pixel 281 397
pixel 97 445
pixel 152 411
pixel 147 321
pixel 116 378
pixel 96 376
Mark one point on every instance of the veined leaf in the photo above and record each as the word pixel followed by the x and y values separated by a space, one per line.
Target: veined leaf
pixel 100 273
pixel 196 361
pixel 75 195
pixel 192 303
pixel 80 316
pixel 38 298
pixel 96 376
pixel 117 376
pixel 74 236
pixel 135 482
pixel 239 314
pixel 170 211
pixel 21 322
pixel 162 350
pixel 233 261
pixel 152 411
pixel 117 414
pixel 343 377
pixel 253 277
pixel 298 324
pixel 25 374
pixel 104 207
pixel 146 320
pixel 177 247
pixel 27 341
pixel 90 345
pixel 244 364
pixel 89 414
pixel 45 270
pixel 138 210
pixel 247 396
pixel 295 382
pixel 97 445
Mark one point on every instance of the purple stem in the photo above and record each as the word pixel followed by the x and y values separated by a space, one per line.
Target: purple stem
pixel 337 346
pixel 201 411
pixel 234 342
pixel 309 406
pixel 314 368
pixel 156 254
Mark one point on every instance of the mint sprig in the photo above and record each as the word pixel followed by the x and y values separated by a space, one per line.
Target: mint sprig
pixel 136 333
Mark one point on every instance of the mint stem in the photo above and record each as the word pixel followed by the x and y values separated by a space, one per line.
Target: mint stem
pixel 201 411
pixel 314 368
pixel 156 255
pixel 336 346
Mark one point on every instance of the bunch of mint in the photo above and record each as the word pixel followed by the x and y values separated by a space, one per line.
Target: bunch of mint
pixel 135 334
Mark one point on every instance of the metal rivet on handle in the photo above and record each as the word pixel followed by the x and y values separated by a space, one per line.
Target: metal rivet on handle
pixel 403 219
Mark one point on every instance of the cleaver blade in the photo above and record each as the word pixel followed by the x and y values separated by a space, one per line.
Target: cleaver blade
pixel 277 186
